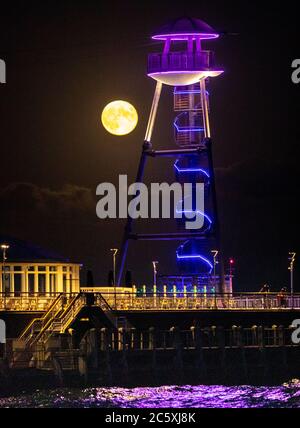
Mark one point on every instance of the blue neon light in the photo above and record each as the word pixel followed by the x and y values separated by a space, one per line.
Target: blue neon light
pixel 195 256
pixel 192 256
pixel 191 129
pixel 195 212
pixel 193 91
pixel 190 169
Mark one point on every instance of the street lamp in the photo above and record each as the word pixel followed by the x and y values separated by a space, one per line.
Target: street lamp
pixel 292 257
pixel 215 254
pixel 114 253
pixel 4 248
pixel 231 263
pixel 154 264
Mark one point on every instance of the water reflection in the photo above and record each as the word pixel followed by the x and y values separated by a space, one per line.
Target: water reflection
pixel 218 396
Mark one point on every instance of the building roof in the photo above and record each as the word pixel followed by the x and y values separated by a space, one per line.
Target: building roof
pixel 22 251
pixel 184 27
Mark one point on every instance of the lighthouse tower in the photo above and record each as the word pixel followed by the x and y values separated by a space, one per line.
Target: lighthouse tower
pixel 186 66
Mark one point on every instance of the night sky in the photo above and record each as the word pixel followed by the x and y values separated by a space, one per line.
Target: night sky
pixel 66 60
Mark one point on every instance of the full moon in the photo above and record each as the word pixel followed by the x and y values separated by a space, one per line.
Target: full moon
pixel 119 117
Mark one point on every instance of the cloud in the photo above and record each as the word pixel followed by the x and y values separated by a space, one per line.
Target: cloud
pixel 63 220
pixel 27 197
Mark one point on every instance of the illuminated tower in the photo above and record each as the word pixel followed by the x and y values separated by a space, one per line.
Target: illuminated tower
pixel 185 66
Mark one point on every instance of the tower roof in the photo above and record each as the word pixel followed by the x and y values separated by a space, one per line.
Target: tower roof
pixel 21 251
pixel 183 28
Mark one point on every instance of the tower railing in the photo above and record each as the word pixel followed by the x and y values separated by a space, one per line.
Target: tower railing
pixel 180 61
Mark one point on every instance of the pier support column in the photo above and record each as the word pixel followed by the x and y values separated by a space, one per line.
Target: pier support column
pixel 134 339
pixel 177 345
pixel 92 348
pixel 281 335
pixel 254 336
pixel 58 371
pixel 261 337
pixel 281 343
pixel 262 352
pixel 152 338
pixel 152 347
pixel 105 347
pixel 122 347
pixel 220 338
pixel 197 335
pixel 121 339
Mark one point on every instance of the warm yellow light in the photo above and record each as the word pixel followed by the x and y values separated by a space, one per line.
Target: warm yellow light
pixel 119 117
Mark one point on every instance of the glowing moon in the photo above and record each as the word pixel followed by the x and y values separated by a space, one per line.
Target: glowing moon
pixel 119 117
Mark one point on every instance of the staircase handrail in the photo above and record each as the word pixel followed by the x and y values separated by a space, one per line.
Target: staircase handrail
pixel 42 319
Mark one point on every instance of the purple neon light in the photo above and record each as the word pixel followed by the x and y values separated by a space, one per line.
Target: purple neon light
pixel 184 72
pixel 187 170
pixel 186 36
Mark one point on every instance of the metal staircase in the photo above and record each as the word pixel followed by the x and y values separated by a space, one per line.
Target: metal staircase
pixel 38 324
pixel 62 312
pixel 60 323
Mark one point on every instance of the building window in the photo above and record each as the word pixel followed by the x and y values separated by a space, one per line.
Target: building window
pixel 42 284
pixel 17 284
pixel 52 268
pixel 42 268
pixel 17 268
pixel 31 284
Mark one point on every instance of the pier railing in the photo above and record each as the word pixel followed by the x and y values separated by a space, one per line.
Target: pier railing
pixel 134 300
pixel 200 301
pixel 31 302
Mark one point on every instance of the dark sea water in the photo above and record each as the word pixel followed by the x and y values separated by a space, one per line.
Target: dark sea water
pixel 218 396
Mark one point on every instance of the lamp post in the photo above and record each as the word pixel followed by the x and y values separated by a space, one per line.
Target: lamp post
pixel 231 263
pixel 292 257
pixel 154 264
pixel 114 253
pixel 215 254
